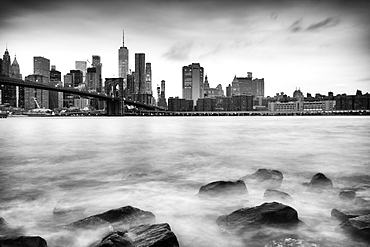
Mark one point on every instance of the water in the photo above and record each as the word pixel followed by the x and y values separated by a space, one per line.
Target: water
pixel 84 166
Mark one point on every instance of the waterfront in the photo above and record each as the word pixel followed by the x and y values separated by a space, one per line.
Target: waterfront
pixel 90 165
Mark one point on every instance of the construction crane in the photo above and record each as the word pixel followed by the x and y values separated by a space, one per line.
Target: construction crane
pixel 37 104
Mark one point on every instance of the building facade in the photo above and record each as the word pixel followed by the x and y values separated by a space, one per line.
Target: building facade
pixel 148 78
pixel 31 95
pixel 248 86
pixel 123 60
pixel 82 66
pixel 192 82
pixel 140 75
pixel 96 63
pixel 55 98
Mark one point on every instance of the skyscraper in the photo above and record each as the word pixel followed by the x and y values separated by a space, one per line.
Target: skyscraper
pixel 140 76
pixel 55 98
pixel 41 66
pixel 92 80
pixel 148 80
pixel 96 63
pixel 82 65
pixel 123 59
pixel 192 82
pixel 19 91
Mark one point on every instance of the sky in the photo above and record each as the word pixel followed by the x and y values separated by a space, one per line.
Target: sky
pixel 317 46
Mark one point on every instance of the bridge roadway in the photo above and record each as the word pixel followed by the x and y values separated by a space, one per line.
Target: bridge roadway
pixel 26 83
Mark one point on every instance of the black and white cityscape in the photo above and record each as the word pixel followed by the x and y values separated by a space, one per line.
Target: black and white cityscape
pixel 166 123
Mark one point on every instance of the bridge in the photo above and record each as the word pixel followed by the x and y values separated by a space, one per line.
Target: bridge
pixel 114 98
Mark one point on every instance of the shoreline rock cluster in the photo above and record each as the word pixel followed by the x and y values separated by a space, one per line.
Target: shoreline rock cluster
pixel 272 223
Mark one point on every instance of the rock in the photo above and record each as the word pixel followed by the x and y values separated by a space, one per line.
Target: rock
pixel 291 242
pixel 125 217
pixel 116 239
pixel 265 178
pixel 343 216
pixel 23 241
pixel 277 195
pixel 158 235
pixel 128 215
pixel 319 183
pixel 347 195
pixel 223 188
pixel 91 223
pixel 358 227
pixel 272 214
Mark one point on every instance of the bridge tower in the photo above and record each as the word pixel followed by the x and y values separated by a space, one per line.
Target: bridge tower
pixel 114 87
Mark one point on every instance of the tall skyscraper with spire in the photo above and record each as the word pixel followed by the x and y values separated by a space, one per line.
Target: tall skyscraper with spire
pixel 8 92
pixel 123 60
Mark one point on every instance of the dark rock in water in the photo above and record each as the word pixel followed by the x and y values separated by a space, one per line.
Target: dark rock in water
pixel 128 216
pixel 319 183
pixel 265 178
pixel 277 195
pixel 271 214
pixel 291 242
pixel 223 188
pixel 116 239
pixel 347 195
pixel 158 235
pixel 24 241
pixel 343 216
pixel 91 223
pixel 124 217
pixel 358 227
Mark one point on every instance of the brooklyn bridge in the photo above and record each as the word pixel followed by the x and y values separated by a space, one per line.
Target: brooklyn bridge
pixel 113 96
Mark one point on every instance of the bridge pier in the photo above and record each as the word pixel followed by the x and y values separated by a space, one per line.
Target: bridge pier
pixel 115 107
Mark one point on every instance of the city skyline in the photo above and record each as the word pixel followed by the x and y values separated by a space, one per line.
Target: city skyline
pixel 317 46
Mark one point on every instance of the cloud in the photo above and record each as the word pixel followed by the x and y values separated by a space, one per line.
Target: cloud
pixel 328 22
pixel 179 51
pixel 364 79
pixel 296 26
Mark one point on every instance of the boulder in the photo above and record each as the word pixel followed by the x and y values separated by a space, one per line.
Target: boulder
pixel 291 242
pixel 343 216
pixel 347 195
pixel 265 178
pixel 358 227
pixel 23 241
pixel 125 217
pixel 158 235
pixel 116 239
pixel 277 195
pixel 319 183
pixel 272 214
pixel 223 188
pixel 91 223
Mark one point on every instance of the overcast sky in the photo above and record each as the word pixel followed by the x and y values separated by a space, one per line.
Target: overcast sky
pixel 319 46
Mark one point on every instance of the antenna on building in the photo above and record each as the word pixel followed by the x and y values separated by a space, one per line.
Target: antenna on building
pixel 123 38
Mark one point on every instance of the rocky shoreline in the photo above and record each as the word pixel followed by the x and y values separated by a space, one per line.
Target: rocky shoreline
pixel 272 223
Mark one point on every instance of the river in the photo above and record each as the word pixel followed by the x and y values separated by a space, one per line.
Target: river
pixel 89 165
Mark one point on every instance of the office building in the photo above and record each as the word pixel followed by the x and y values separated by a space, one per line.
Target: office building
pixel 82 65
pixel 41 66
pixel 55 98
pixel 162 95
pixel 96 63
pixel 140 75
pixel 248 86
pixel 123 60
pixel 209 92
pixel 192 82
pixel 148 78
pixel 92 80
pixel 8 92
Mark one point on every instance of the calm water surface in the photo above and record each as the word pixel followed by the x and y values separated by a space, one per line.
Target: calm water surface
pixel 88 165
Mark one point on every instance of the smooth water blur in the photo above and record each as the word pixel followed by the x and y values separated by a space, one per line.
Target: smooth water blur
pixel 85 165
